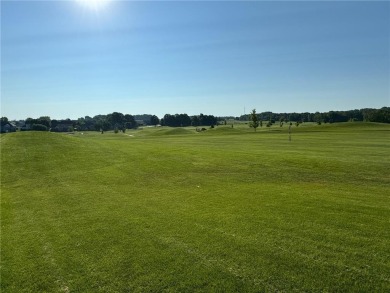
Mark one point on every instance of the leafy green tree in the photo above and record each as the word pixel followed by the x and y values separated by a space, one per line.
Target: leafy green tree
pixel 80 124
pixel 39 127
pixel 89 123
pixel 177 120
pixel 183 120
pixel 254 119
pixel 44 120
pixel 317 118
pixel 154 120
pixel 4 121
pixel 195 121
pixel 130 121
pixel 116 119
pixel 377 115
pixel 106 125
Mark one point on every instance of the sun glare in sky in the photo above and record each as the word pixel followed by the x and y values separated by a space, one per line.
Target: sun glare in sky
pixel 95 5
pixel 68 59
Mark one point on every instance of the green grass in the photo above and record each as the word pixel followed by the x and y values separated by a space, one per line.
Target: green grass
pixel 228 209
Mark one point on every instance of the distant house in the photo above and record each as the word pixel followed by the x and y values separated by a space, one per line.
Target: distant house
pixel 140 122
pixel 18 123
pixel 8 127
pixel 27 126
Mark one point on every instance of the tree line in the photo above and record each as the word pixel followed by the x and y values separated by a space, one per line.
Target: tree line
pixel 120 122
pixel 182 120
pixel 381 115
pixel 115 121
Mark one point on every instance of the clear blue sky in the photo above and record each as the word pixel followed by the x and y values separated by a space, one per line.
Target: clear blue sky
pixel 65 60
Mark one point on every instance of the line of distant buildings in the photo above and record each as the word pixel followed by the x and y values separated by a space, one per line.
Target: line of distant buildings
pixel 60 126
pixel 8 127
pixel 14 125
pixel 22 125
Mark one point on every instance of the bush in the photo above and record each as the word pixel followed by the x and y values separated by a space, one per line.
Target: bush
pixel 39 127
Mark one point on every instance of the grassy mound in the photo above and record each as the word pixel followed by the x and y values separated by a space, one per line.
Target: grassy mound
pixel 224 130
pixel 170 131
pixel 179 131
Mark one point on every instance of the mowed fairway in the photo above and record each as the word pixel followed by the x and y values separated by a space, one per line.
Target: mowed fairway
pixel 226 210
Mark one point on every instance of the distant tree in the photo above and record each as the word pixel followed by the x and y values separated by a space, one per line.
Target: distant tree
pixel 317 118
pixel 383 115
pixel 377 115
pixel 54 123
pixel 271 119
pixel 29 121
pixel 295 117
pixel 183 120
pixel 39 127
pixel 355 115
pixel 209 120
pixel 89 123
pixel 86 123
pixel 202 119
pixel 254 120
pixel 99 120
pixel 116 119
pixel 80 124
pixel 130 122
pixel 106 125
pixel 167 120
pixel 177 120
pixel 44 120
pixel 195 121
pixel 154 120
pixel 4 121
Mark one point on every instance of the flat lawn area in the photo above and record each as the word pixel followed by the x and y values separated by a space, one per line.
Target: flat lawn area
pixel 163 209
